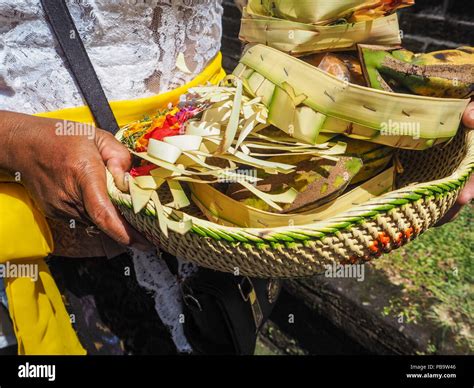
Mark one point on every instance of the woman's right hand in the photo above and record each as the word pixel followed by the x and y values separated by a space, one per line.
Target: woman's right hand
pixel 65 174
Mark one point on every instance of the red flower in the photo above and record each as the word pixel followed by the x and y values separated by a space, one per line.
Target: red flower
pixel 170 127
pixel 142 170
pixel 160 133
pixel 171 120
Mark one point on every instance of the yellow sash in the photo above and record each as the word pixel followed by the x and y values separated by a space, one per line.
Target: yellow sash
pixel 40 320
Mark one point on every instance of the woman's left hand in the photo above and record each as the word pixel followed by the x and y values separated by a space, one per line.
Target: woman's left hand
pixel 467 193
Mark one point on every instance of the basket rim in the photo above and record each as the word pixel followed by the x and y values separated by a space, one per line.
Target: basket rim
pixel 314 231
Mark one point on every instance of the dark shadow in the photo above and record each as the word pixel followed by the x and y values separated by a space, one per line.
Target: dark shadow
pixel 313 333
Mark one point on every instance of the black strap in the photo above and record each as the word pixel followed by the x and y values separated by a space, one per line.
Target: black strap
pixel 79 63
pixel 81 67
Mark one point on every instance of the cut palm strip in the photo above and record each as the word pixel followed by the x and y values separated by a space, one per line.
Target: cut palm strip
pixel 323 150
pixel 163 213
pixel 179 169
pixel 184 142
pixel 271 199
pixel 164 151
pixel 224 210
pixel 233 124
pixel 176 170
pixel 162 173
pixel 309 11
pixel 270 167
pixel 140 197
pixel 200 128
pixel 435 118
pixel 180 199
pixel 298 38
pixel 248 127
pixel 203 160
pixel 321 141
pixel 149 182
pixel 196 158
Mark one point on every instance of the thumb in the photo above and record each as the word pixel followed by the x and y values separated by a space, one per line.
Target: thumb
pixel 115 156
pixel 104 214
pixel 118 171
pixel 468 116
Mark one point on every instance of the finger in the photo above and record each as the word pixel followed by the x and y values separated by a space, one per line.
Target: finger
pixel 464 198
pixel 468 116
pixel 467 193
pixel 116 157
pixel 451 214
pixel 105 215
pixel 119 173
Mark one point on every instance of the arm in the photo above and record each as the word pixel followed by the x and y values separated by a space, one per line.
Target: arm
pixel 65 175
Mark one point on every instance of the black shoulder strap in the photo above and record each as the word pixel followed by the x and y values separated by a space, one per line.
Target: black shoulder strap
pixel 81 67
pixel 79 63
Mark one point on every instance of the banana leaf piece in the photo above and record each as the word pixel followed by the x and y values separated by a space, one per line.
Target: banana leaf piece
pixel 316 180
pixel 446 73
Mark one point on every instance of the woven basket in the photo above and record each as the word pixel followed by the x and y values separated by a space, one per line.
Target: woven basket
pixel 427 188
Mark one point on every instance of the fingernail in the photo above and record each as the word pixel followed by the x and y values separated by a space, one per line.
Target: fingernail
pixel 126 180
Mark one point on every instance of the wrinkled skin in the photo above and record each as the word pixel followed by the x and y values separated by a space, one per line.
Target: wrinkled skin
pixel 65 175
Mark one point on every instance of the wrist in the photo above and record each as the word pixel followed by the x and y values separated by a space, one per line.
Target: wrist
pixel 10 126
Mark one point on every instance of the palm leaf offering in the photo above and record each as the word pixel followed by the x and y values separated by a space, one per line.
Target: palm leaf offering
pixel 211 137
pixel 266 143
pixel 327 12
pixel 219 139
pixel 296 106
pixel 322 145
pixel 309 26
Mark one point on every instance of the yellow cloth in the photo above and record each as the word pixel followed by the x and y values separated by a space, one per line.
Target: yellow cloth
pixel 40 319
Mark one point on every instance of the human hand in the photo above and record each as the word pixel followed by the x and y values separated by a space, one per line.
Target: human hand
pixel 467 193
pixel 65 174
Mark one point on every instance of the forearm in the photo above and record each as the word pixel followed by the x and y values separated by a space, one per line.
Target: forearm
pixel 10 123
